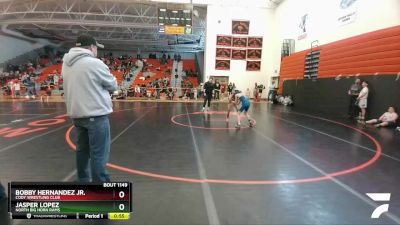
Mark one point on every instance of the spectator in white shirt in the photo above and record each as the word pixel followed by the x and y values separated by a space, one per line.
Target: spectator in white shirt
pixel 387 119
pixel 362 100
pixel 17 88
pixel 55 79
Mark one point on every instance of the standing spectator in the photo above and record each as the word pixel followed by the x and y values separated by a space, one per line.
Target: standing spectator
pixel 48 92
pixel 194 90
pixel 17 88
pixel 29 86
pixel 260 87
pixel 255 91
pixel 157 87
pixel 12 88
pixel 37 87
pixel 138 54
pixel 230 88
pixel 200 91
pixel 387 119
pixel 353 92
pixel 87 83
pixel 362 101
pixel 171 94
pixel 217 89
pixel 208 91
pixel 164 59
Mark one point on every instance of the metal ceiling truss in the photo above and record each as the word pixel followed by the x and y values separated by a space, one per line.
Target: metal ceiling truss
pixel 128 24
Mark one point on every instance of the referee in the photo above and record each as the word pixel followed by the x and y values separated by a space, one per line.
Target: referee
pixel 208 92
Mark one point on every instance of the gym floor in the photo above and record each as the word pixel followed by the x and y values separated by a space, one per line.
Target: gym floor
pixel 189 167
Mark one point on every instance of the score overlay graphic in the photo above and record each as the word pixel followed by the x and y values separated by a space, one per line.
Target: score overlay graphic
pixel 56 200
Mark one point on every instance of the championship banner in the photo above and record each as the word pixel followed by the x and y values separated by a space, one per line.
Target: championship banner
pixel 222 64
pixel 253 66
pixel 255 42
pixel 347 11
pixel 254 53
pixel 240 27
pixel 239 54
pixel 224 40
pixel 223 53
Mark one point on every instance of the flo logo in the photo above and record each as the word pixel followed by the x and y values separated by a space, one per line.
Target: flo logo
pixel 379 197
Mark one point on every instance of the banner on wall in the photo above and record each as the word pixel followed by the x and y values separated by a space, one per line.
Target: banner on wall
pixel 253 53
pixel 303 27
pixel 255 42
pixel 239 54
pixel 253 66
pixel 224 40
pixel 240 27
pixel 240 42
pixel 347 11
pixel 222 64
pixel 223 53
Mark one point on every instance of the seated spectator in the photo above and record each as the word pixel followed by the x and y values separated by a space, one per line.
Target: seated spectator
pixel 387 119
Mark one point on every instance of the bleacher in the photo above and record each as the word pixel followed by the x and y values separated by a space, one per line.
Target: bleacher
pixel 188 64
pixel 49 70
pixel 153 64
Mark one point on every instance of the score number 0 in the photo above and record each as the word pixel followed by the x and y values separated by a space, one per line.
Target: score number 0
pixel 121 195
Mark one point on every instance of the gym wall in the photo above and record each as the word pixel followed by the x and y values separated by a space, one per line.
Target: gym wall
pixel 374 57
pixel 219 22
pixel 325 21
